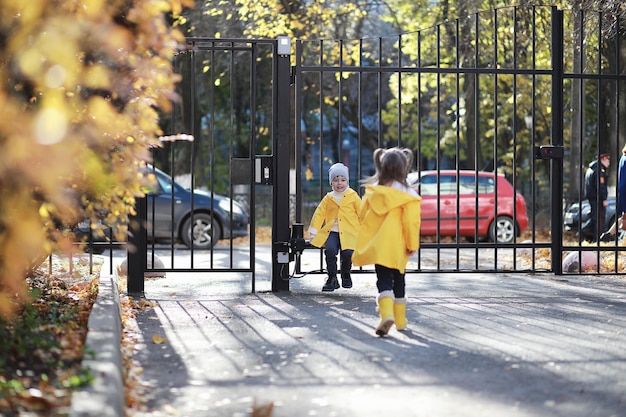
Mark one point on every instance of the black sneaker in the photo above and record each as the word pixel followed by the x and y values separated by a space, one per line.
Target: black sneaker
pixel 331 284
pixel 346 280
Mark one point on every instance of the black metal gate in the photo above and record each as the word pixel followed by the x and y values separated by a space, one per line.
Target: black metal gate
pixel 490 103
pixel 502 108
pixel 217 175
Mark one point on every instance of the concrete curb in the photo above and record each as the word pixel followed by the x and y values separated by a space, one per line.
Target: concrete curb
pixel 105 397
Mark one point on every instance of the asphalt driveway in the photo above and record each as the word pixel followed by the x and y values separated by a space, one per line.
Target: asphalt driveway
pixel 478 345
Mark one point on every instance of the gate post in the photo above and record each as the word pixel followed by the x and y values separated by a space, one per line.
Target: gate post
pixel 281 150
pixel 556 164
pixel 137 251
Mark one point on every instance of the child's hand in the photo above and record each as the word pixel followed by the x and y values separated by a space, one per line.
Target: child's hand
pixel 410 252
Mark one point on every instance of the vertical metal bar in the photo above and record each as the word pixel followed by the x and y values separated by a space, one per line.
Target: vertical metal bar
pixel 340 106
pixel 211 138
pixel 514 136
pixel 533 188
pixel 251 154
pixel 581 161
pixel 152 231
pixel 192 112
pixel 297 69
pixel 399 121
pixel 380 93
pixel 495 136
pixel 298 112
pixel 231 144
pixel 599 222
pixel 438 147
pixel 618 145
pixel 601 148
pixel 557 138
pixel 321 118
pixel 281 162
pixel 360 116
pixel 476 130
pixel 419 102
pixel 172 199
pixel 419 120
pixel 457 64
pixel 321 131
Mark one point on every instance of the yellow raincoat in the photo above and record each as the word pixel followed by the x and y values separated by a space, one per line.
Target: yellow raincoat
pixel 390 226
pixel 347 215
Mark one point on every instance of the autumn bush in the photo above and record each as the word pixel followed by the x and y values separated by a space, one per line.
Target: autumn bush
pixel 83 82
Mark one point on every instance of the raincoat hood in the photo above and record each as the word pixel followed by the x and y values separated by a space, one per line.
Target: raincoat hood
pixel 384 199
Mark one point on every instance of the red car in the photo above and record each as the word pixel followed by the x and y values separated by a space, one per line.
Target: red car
pixel 469 208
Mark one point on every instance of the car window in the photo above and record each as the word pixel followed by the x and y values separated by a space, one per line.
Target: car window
pixel 165 183
pixel 447 185
pixel 486 185
pixel 468 185
pixel 428 185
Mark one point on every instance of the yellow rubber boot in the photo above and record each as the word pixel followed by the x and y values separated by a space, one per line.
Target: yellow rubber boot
pixel 399 313
pixel 385 309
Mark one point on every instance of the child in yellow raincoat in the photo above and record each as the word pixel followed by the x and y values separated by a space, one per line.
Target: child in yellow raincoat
pixel 335 224
pixel 390 226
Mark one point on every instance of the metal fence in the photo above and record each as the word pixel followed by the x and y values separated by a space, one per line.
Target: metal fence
pixel 202 215
pixel 518 93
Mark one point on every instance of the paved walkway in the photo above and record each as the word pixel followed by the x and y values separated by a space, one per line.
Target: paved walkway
pixel 478 345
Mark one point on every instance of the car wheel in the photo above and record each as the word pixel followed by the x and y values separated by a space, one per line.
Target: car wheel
pixel 502 230
pixel 205 231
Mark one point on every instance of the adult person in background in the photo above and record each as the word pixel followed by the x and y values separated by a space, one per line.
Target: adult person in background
pixel 621 184
pixel 596 191
pixel 621 199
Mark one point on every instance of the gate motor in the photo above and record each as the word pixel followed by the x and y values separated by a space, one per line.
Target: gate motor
pixel 291 250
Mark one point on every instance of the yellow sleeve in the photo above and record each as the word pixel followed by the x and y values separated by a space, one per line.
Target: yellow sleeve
pixel 317 221
pixel 412 219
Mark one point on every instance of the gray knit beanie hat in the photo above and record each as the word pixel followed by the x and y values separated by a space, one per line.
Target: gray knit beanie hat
pixel 337 169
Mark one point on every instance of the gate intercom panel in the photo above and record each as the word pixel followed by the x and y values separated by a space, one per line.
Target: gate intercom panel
pixel 263 169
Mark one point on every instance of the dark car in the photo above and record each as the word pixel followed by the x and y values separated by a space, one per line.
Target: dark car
pixel 215 216
pixel 464 202
pixel 571 218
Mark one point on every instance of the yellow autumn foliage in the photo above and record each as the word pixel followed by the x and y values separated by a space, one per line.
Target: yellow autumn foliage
pixel 82 82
